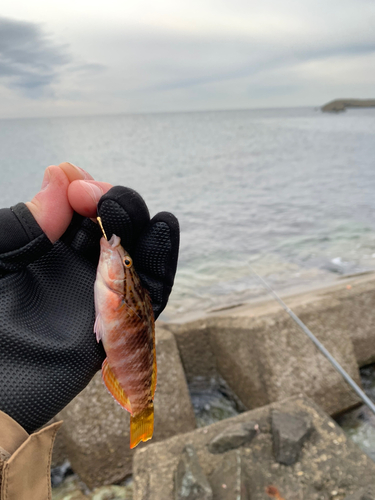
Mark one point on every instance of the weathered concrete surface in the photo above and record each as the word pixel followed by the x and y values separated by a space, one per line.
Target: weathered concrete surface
pixel 342 104
pixel 194 344
pixel 362 494
pixel 329 462
pixel 229 478
pixel 96 428
pixel 265 357
pixel 190 482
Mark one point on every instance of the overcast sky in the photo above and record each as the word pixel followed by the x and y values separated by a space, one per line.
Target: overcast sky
pixel 93 57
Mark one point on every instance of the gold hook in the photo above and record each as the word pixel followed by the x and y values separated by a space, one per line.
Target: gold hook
pixel 101 227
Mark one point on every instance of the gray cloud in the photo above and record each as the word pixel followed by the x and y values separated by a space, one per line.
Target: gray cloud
pixel 29 60
pixel 201 54
pixel 183 63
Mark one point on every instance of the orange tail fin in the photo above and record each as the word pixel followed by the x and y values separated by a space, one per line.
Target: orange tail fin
pixel 142 426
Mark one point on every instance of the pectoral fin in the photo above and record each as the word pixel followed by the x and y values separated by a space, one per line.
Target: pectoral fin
pixel 113 386
pixel 99 328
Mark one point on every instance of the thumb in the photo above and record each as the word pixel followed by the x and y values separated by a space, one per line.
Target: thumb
pixel 50 207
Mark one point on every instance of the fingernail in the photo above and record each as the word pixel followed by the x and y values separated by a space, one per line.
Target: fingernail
pixel 46 179
pixel 92 189
pixel 80 170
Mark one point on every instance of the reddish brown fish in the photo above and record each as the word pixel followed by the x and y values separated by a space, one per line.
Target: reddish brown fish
pixel 125 325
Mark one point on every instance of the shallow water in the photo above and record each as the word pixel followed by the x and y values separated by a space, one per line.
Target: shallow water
pixel 359 424
pixel 213 400
pixel 291 190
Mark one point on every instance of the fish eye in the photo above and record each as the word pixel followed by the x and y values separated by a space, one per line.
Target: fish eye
pixel 128 261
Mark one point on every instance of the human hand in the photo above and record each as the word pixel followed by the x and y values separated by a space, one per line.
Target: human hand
pixel 49 250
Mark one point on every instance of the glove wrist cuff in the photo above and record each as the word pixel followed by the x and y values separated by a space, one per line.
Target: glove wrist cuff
pixel 23 241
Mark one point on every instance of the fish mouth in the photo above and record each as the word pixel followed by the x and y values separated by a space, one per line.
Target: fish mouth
pixel 115 241
pixel 112 244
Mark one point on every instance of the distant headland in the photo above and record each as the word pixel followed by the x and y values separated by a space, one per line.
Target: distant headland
pixel 342 104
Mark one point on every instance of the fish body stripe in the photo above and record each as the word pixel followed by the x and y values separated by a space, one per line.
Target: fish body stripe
pixel 128 333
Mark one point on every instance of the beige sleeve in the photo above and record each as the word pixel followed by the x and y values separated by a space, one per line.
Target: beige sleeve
pixel 25 461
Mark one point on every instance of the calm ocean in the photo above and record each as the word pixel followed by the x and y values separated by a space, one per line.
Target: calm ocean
pixel 290 190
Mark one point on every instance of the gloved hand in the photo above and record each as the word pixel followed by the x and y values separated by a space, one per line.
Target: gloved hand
pixel 48 351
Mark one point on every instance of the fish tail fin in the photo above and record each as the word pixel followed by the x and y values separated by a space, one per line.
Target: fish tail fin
pixel 142 426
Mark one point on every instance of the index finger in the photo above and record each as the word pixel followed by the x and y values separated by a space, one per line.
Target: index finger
pixel 84 195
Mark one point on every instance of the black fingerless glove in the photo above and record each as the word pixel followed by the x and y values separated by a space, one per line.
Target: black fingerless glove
pixel 48 351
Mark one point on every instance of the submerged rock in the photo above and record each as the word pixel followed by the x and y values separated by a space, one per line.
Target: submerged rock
pixel 190 480
pixel 289 432
pixel 233 437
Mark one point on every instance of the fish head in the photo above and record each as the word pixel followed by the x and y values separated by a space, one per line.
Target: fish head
pixel 115 265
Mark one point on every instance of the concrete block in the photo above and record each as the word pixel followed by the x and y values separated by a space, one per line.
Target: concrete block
pixel 264 356
pixel 190 480
pixel 362 494
pixel 194 345
pixel 327 462
pixel 96 428
pixel 229 479
pixel 268 358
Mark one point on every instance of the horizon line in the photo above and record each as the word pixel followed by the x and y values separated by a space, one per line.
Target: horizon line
pixel 96 115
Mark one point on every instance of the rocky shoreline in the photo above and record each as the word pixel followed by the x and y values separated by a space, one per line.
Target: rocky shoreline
pixel 285 385
pixel 341 104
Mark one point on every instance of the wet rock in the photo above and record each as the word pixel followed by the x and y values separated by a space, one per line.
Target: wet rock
pixel 190 480
pixel 362 494
pixel 96 428
pixel 59 473
pixel 233 437
pixel 289 432
pixel 111 493
pixel 228 481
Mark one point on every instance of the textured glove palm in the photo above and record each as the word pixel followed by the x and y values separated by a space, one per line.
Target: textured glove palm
pixel 48 352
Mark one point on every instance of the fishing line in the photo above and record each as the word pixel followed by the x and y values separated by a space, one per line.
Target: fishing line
pixel 320 346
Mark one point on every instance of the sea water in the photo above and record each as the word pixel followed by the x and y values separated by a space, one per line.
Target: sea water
pixel 292 191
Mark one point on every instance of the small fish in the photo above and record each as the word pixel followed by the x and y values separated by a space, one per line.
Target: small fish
pixel 125 325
